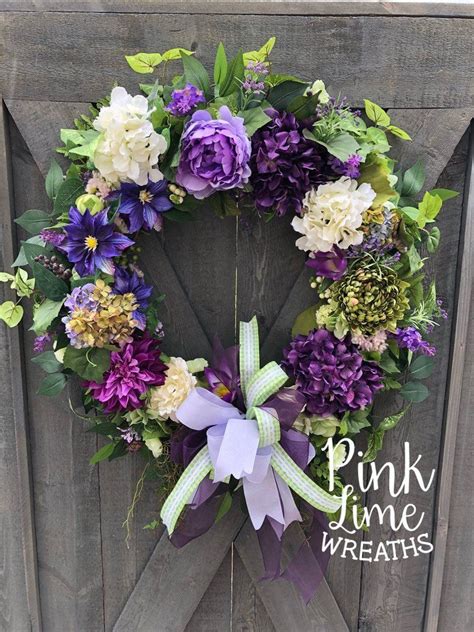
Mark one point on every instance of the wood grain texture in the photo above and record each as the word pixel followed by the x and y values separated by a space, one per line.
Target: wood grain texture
pixel 455 407
pixel 393 593
pixel 279 7
pixel 19 587
pixel 393 70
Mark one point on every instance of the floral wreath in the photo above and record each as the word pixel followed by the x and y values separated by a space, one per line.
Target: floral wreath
pixel 274 145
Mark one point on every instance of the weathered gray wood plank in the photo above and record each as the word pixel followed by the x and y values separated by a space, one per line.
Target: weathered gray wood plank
pixel 280 7
pixel 396 55
pixel 393 593
pixel 456 393
pixel 19 590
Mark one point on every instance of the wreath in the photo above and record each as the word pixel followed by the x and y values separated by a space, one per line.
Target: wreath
pixel 248 140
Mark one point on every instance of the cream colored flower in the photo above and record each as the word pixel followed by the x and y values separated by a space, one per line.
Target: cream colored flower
pixel 332 215
pixel 166 399
pixel 339 454
pixel 153 442
pixel 317 425
pixel 318 87
pixel 128 147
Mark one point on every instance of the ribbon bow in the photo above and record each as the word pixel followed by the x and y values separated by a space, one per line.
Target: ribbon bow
pixel 245 446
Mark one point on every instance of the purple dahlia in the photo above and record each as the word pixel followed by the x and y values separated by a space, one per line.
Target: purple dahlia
pixel 331 373
pixel 285 165
pixel 133 370
pixel 214 154
pixel 92 242
pixel 142 205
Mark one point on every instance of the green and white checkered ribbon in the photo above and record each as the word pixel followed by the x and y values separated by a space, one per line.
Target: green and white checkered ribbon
pixel 257 384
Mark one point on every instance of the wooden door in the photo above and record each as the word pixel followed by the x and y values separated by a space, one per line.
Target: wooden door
pixel 66 564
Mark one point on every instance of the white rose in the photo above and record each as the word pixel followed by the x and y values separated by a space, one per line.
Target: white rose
pixel 332 215
pixel 318 87
pixel 166 399
pixel 128 147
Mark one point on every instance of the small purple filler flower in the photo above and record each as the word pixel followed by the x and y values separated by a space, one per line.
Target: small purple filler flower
pixel 331 373
pixel 41 342
pixel 185 100
pixel 133 370
pixel 142 205
pixel 214 154
pixel 53 237
pixel 410 338
pixel 92 242
pixel 350 168
pixel 331 265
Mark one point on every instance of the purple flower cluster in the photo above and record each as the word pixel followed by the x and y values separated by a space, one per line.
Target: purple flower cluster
pixel 185 100
pixel 214 154
pixel 41 342
pixel 133 370
pixel 285 165
pixel 350 168
pixel 331 373
pixel 411 339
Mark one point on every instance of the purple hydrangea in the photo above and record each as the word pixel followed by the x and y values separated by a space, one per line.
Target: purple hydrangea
pixel 285 165
pixel 81 298
pixel 92 242
pixel 125 282
pixel 142 206
pixel 133 370
pixel 410 338
pixel 53 237
pixel 214 154
pixel 41 342
pixel 332 374
pixel 349 168
pixel 185 100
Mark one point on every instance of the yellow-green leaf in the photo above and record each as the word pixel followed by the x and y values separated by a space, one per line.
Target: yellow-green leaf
pixel 376 114
pixel 144 63
pixel 376 174
pixel 22 284
pixel 400 133
pixel 10 313
pixel 5 277
pixel 305 322
pixel 261 54
pixel 175 53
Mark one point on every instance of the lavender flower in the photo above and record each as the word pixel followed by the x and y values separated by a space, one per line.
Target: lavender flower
pixel 285 165
pixel 332 374
pixel 185 100
pixel 349 168
pixel 53 237
pixel 41 342
pixel 411 339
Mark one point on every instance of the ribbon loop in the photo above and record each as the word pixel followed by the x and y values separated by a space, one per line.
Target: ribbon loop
pixel 268 426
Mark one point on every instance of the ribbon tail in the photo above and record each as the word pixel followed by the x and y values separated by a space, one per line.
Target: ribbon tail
pixel 249 356
pixel 185 488
pixel 302 484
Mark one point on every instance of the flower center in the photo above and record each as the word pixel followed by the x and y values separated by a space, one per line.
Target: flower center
pixel 91 242
pixel 145 196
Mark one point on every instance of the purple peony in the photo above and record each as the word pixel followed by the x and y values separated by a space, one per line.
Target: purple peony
pixel 331 373
pixel 92 242
pixel 133 370
pixel 185 100
pixel 142 205
pixel 214 154
pixel 285 165
pixel 331 265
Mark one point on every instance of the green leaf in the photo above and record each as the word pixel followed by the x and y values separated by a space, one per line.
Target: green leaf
pixel 48 283
pixel 54 179
pixel 390 422
pixel 175 53
pixel 413 180
pixel 430 206
pixel 378 139
pixel 144 63
pixel 374 445
pixel 106 428
pixel 376 173
pixel 235 74
pixel 176 215
pixel 21 259
pixel 400 133
pixel 414 259
pixel 254 119
pixel 281 95
pixel 195 72
pixel 305 322
pixel 48 362
pixel 70 189
pixel 88 148
pixel 223 205
pixel 376 114
pixel 220 65
pixel 444 194
pixel 421 367
pixel 52 384
pixel 262 54
pixel 304 106
pixel 433 240
pixel 104 453
pixel 34 221
pixel 388 364
pixel 10 313
pixel 342 146
pixel 44 315
pixel 90 363
pixel 414 392
pixel 71 136
pixel 5 277
pixel 22 285
pixel 224 507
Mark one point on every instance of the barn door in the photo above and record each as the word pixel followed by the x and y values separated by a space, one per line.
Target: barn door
pixel 69 561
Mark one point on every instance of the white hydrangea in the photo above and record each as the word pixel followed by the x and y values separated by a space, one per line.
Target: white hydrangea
pixel 332 215
pixel 166 399
pixel 128 147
